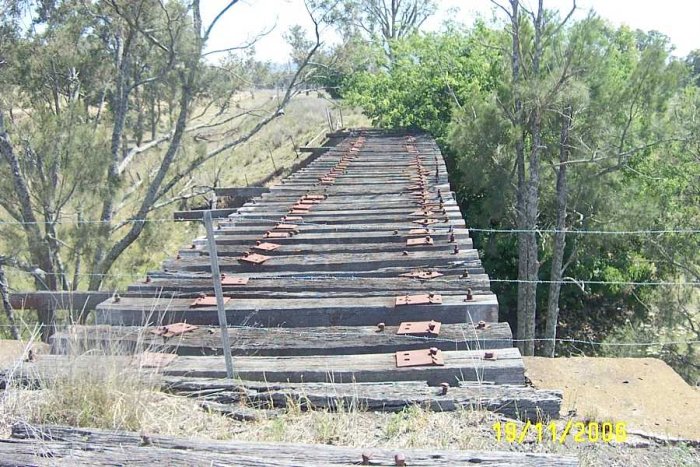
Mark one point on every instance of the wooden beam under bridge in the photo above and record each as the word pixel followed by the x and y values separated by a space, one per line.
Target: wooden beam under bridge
pixel 66 300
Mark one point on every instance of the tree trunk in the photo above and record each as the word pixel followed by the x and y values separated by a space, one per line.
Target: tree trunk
pixel 121 106
pixel 39 249
pixel 9 311
pixel 520 164
pixel 559 238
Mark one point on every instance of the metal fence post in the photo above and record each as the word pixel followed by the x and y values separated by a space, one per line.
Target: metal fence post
pixel 216 277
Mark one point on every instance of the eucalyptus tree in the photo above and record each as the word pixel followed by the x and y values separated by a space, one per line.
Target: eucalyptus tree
pixel 83 79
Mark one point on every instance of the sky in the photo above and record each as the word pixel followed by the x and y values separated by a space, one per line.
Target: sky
pixel 678 19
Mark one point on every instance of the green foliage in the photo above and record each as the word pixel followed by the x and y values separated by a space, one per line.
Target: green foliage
pixel 635 163
pixel 429 76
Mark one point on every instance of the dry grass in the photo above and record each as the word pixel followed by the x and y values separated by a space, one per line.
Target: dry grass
pixel 114 394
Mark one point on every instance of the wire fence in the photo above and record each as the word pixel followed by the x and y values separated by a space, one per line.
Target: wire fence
pixel 271 219
pixel 276 331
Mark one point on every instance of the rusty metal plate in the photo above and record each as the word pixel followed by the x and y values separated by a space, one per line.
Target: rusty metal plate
pixel 422 299
pixel 253 258
pixel 423 357
pixel 292 219
pixel 298 211
pixel 308 201
pixel 426 221
pixel 419 241
pixel 277 234
pixel 419 328
pixel 267 246
pixel 206 301
pixel 327 182
pixel 301 207
pixel 282 226
pixel 420 232
pixel 421 274
pixel 172 330
pixel 230 280
pixel 314 197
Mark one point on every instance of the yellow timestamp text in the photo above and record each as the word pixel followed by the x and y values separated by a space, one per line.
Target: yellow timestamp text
pixel 580 432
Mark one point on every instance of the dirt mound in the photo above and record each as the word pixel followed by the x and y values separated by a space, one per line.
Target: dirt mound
pixel 643 392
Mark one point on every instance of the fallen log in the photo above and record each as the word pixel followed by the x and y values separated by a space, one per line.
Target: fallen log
pixel 56 445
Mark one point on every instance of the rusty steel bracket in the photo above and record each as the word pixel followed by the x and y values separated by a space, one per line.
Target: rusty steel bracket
pixel 421 274
pixel 426 221
pixel 271 234
pixel 420 232
pixel 419 328
pixel 172 330
pixel 230 280
pixel 253 258
pixel 286 226
pixel 422 357
pixel 206 301
pixel 419 241
pixel 422 299
pixel 266 246
pixel 424 212
pixel 314 197
pixel 291 219
pixel 298 211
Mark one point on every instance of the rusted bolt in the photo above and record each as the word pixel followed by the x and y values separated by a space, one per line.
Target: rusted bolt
pixel 470 296
pixel 365 457
pixel 428 239
pixel 465 274
pixel 452 237
pixel 117 298
pixel 396 232
pixel 381 326
pixel 445 387
pixel 456 249
pixel 399 459
pixel 405 253
pixel 148 279
pixel 202 295
pixel 258 242
pixel 246 254
pixel 433 351
pixel 178 256
pixel 431 295
pixel 193 247
pixel 431 325
pixel 489 356
pixel 481 325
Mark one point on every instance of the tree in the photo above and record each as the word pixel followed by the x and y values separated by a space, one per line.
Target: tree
pixel 127 53
pixel 380 21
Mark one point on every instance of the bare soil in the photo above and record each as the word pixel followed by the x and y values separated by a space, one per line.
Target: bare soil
pixel 643 392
